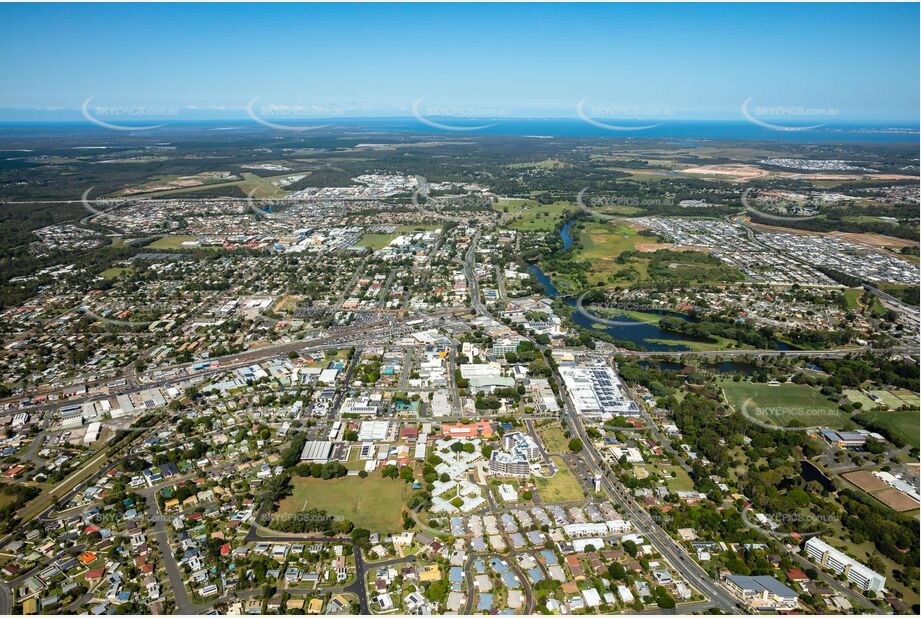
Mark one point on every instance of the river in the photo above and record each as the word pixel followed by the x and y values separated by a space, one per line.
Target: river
pixel 635 331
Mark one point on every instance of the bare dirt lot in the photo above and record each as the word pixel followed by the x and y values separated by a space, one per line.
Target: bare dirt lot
pixel 737 172
pixel 871 240
pixel 891 497
pixel 865 481
pixel 875 240
pixel 896 500
pixel 649 247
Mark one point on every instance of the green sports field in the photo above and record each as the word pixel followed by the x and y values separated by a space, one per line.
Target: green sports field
pixel 904 424
pixel 782 403
pixel 169 242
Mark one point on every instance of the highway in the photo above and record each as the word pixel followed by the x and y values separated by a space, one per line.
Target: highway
pixel 179 373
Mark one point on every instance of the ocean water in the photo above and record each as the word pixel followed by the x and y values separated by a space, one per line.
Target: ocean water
pixel 681 133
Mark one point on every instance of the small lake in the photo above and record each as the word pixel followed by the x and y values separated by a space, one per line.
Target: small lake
pixel 811 473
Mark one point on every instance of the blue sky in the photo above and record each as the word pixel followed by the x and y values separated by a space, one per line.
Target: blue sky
pixel 686 61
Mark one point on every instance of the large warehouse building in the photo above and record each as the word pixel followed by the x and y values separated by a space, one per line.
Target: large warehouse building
pixel 597 391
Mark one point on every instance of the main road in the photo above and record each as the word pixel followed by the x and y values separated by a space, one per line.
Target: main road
pixel 680 560
pixel 175 374
pixel 644 523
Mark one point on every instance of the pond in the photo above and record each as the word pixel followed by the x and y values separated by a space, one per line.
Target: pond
pixel 732 367
pixel 811 473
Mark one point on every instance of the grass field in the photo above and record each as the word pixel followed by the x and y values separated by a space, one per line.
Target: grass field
pixel 783 403
pixel 907 397
pixel 852 298
pixel 376 241
pixel 374 502
pixel 904 424
pixel 287 303
pixel 680 482
pixel 546 164
pixel 855 396
pixel 261 187
pixel 891 400
pixel 888 399
pixel 620 210
pixel 552 437
pixel 719 343
pixel 640 175
pixel 6 500
pixel 112 273
pixel 169 242
pixel 602 244
pixel 531 216
pixel 562 486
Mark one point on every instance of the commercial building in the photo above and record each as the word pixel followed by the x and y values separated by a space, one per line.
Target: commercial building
pixel 373 431
pixel 845 439
pixel 762 592
pixel 317 451
pixel 359 406
pixel 597 391
pixel 92 432
pixel 838 562
pixel 488 384
pixel 480 370
pixel 504 346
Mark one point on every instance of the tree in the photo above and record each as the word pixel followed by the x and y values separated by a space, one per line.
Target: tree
pixel 617 571
pixel 575 445
pixel 437 592
pixel 362 537
pixel 663 598
pixel 630 548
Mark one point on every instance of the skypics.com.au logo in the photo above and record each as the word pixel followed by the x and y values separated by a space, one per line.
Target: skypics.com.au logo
pixel 103 209
pixel 455 117
pixel 623 118
pixel 772 208
pixel 287 117
pixel 619 307
pixel 116 117
pixel 602 201
pixel 787 118
pixel 784 415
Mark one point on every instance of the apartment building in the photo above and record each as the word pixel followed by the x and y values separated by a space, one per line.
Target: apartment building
pixel 838 562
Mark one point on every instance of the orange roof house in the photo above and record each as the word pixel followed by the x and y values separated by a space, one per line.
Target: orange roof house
pixel 87 557
pixel 479 429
